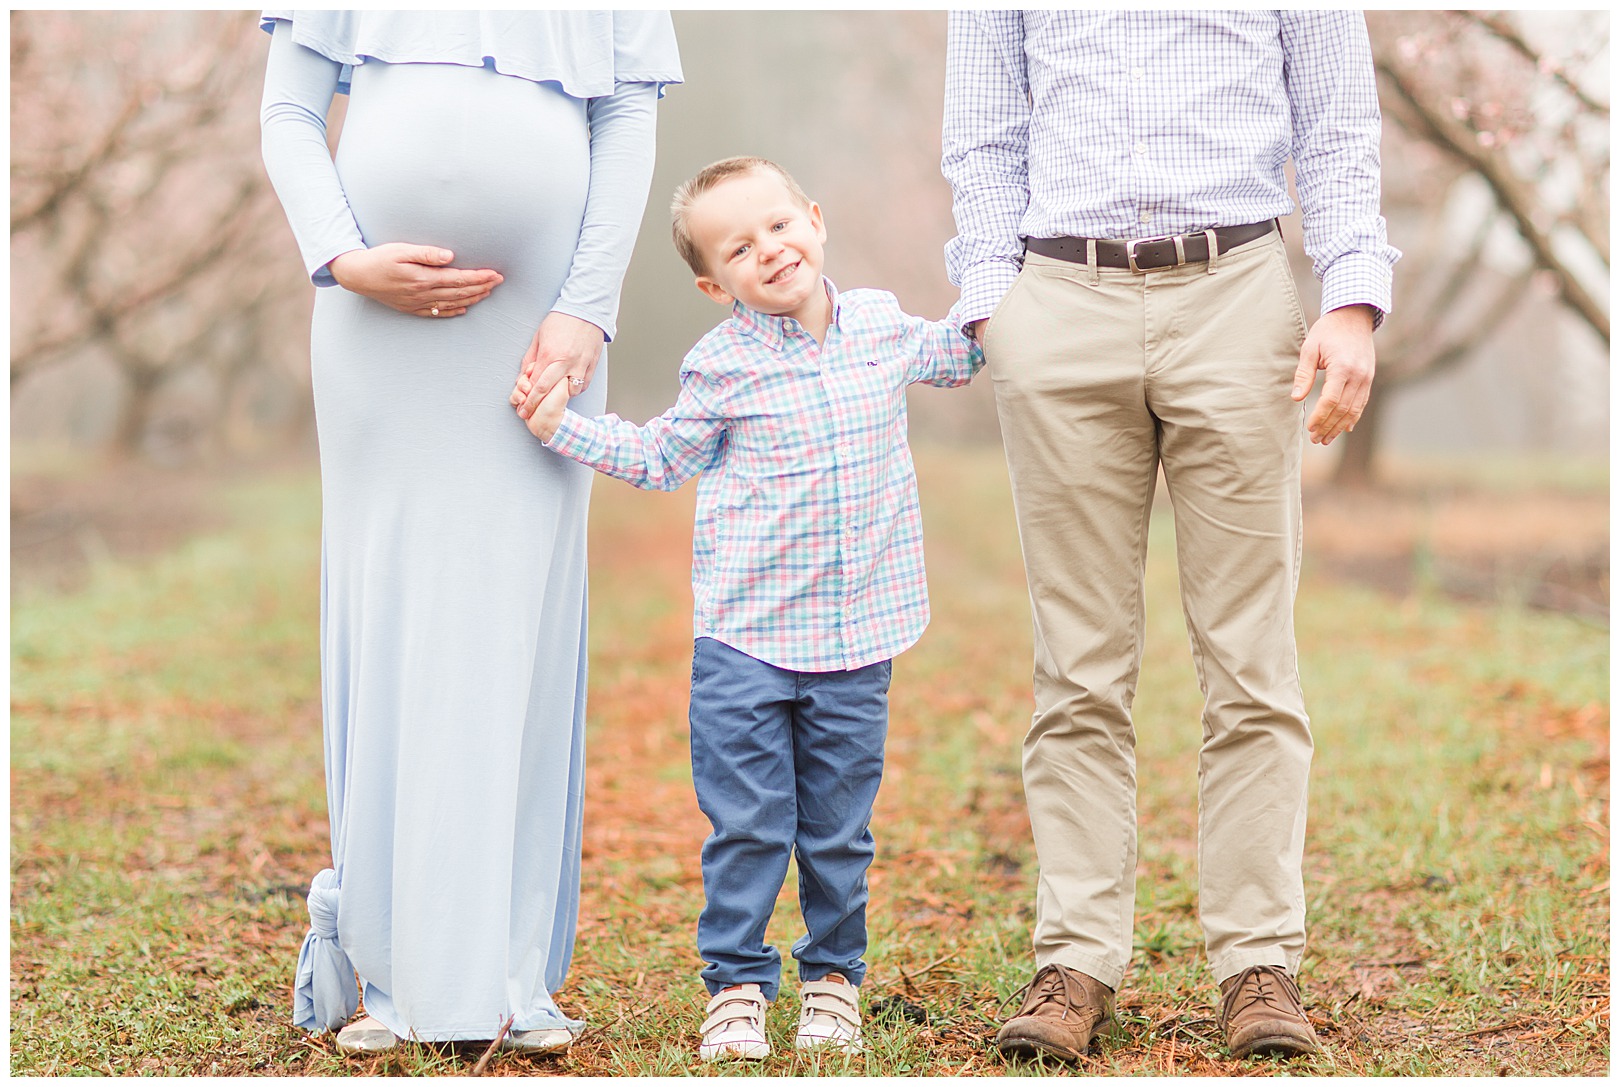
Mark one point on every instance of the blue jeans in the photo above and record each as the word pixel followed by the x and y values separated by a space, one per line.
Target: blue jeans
pixel 784 763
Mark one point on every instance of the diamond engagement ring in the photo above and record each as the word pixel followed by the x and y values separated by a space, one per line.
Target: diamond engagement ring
pixel 434 311
pixel 577 382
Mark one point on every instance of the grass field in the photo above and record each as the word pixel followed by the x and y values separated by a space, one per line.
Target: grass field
pixel 167 815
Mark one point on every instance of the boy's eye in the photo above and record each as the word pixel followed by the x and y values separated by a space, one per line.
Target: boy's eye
pixel 739 251
pixel 781 226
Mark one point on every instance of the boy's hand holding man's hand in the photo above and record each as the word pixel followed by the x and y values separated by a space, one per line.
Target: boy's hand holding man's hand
pixel 548 413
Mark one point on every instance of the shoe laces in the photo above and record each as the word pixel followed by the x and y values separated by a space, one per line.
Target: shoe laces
pixel 1052 984
pixel 1261 985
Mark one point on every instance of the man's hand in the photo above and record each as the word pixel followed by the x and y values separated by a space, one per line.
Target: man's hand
pixel 413 278
pixel 565 350
pixel 1341 342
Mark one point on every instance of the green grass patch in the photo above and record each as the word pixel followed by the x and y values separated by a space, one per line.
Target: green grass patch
pixel 168 812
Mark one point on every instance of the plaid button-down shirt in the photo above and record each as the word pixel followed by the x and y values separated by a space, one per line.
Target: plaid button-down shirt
pixel 1129 124
pixel 807 549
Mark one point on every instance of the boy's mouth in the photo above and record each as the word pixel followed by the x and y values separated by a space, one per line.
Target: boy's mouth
pixel 785 273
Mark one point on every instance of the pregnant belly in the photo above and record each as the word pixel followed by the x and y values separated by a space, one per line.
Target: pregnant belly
pixel 492 167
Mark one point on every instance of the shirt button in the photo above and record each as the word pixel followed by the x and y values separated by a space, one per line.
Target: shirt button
pixel 1146 217
pixel 1141 149
pixel 1136 73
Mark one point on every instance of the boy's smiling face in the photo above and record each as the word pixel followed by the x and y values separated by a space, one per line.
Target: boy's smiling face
pixel 761 246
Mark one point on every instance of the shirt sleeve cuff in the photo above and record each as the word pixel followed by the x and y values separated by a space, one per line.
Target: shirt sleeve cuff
pixel 983 288
pixel 1358 279
pixel 573 437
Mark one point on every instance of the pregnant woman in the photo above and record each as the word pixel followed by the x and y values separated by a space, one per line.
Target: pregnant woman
pixel 479 214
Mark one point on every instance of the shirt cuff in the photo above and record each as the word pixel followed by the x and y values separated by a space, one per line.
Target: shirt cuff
pixel 571 438
pixel 983 287
pixel 1358 279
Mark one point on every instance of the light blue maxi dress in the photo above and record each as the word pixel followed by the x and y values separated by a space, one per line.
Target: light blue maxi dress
pixel 453 543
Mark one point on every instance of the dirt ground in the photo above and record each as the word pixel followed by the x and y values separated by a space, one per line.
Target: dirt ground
pixel 1544 548
pixel 1547 549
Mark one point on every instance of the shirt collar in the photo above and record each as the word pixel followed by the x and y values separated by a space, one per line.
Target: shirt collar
pixel 773 331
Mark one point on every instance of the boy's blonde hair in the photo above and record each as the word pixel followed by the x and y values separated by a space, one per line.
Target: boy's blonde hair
pixel 680 208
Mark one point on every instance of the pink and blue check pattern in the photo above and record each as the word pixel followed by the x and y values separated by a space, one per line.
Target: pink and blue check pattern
pixel 807 549
pixel 1134 123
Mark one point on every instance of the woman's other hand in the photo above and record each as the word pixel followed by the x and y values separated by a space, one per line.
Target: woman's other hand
pixel 565 348
pixel 413 279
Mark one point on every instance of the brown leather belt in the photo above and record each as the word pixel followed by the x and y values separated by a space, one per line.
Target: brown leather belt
pixel 1146 254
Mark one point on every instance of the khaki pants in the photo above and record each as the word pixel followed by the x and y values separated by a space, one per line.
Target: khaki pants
pixel 1100 376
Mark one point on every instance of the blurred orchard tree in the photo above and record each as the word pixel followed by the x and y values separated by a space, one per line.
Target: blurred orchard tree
pixel 145 238
pixel 143 231
pixel 1496 185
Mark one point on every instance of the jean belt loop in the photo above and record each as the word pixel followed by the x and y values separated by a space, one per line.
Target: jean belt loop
pixel 1181 249
pixel 1091 261
pixel 1214 248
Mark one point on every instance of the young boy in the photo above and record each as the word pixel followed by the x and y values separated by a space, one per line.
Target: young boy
pixel 807 577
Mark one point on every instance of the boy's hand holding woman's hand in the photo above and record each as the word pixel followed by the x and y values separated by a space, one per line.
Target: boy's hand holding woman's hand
pixel 548 412
pixel 570 347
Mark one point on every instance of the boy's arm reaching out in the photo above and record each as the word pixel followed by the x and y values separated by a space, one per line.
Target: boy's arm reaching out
pixel 659 456
pixel 940 353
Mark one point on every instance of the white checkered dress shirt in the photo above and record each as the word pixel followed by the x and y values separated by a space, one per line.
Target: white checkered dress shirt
pixel 807 549
pixel 1130 124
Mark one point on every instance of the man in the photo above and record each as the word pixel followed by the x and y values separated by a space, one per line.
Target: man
pixel 1117 176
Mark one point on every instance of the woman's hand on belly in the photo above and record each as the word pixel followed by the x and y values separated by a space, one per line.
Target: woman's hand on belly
pixel 413 279
pixel 564 348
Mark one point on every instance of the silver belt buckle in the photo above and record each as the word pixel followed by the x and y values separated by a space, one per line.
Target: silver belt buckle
pixel 1130 249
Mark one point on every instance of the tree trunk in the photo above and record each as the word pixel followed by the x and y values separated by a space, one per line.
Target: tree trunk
pixel 136 412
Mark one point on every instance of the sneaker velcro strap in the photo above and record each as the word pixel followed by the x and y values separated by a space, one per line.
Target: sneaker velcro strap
pixel 841 1001
pixel 744 1005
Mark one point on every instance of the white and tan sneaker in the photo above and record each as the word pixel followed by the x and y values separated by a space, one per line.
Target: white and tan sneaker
pixel 735 1026
pixel 830 1016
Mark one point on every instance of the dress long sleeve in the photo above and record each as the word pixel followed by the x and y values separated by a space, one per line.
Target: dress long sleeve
pixel 298 87
pixel 622 127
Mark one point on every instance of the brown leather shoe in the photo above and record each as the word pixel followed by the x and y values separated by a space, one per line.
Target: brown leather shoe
pixel 1261 1013
pixel 1063 1011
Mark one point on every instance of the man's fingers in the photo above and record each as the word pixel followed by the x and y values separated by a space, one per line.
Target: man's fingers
pixel 1304 374
pixel 1352 399
pixel 1335 420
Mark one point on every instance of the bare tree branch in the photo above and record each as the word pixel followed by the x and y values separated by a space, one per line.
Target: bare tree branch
pixel 1516 197
pixel 1509 34
pixel 143 228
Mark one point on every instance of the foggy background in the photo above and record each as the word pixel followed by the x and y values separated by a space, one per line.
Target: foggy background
pixel 159 309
